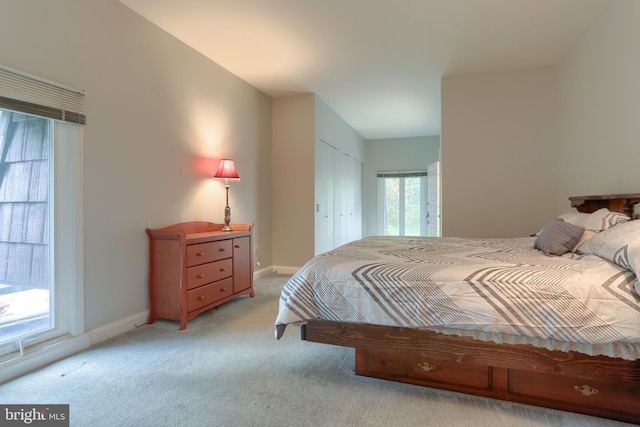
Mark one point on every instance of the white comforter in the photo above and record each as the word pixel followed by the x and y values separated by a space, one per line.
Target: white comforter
pixel 502 290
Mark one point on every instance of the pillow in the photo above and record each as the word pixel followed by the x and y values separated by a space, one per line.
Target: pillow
pixel 575 218
pixel 619 244
pixel 598 221
pixel 558 237
pixel 603 219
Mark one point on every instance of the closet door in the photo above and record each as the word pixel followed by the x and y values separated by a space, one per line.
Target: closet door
pixel 341 183
pixel 354 228
pixel 359 196
pixel 338 195
pixel 347 192
pixel 324 198
pixel 433 199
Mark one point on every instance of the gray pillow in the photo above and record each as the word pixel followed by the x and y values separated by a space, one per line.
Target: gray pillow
pixel 558 237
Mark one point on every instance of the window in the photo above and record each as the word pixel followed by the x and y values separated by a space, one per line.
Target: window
pixel 402 203
pixel 41 276
pixel 25 237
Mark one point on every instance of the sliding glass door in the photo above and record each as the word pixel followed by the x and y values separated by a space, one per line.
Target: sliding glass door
pixel 26 254
pixel 402 203
pixel 41 222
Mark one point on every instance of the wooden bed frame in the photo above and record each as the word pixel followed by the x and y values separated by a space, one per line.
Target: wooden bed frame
pixel 594 385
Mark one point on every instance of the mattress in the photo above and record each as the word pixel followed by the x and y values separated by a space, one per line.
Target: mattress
pixel 500 290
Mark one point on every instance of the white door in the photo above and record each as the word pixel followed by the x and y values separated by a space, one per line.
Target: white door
pixel 402 203
pixel 338 198
pixel 355 230
pixel 341 185
pixel 323 209
pixel 433 199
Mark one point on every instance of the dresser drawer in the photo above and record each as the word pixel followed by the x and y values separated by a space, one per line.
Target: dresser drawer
pixel 618 397
pixel 430 370
pixel 208 294
pixel 207 273
pixel 202 253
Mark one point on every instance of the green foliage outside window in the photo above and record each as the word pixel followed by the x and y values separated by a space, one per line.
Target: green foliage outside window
pixel 392 203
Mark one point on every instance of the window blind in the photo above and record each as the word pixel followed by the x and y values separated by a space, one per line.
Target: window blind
pixel 401 174
pixel 31 95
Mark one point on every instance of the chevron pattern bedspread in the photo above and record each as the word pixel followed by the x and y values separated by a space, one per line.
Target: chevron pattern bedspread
pixel 497 286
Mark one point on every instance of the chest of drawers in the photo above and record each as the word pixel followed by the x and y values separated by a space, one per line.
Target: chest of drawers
pixel 194 266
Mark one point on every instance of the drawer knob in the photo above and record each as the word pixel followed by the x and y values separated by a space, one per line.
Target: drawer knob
pixel 426 366
pixel 223 270
pixel 586 390
pixel 223 290
pixel 200 254
pixel 200 276
pixel 221 249
pixel 201 298
pixel 237 246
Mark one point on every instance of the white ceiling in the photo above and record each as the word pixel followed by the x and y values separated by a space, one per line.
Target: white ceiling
pixel 376 63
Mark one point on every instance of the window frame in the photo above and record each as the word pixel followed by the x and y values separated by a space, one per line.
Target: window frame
pixel 381 177
pixel 65 105
pixel 67 269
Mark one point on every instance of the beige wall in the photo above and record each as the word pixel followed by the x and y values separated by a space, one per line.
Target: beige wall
pixel 293 180
pixel 498 148
pixel 299 122
pixel 532 138
pixel 159 117
pixel 599 108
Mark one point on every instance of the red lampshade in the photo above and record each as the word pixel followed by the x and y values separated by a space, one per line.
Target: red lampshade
pixel 227 171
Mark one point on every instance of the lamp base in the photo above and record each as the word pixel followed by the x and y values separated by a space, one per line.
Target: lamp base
pixel 227 217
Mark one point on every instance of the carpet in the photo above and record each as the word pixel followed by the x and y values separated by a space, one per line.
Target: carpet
pixel 227 369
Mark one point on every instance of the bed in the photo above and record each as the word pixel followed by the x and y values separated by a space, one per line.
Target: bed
pixel 551 320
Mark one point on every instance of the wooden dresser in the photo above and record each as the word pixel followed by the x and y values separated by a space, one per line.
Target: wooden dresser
pixel 194 266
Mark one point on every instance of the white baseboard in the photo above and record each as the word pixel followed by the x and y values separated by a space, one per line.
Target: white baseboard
pixel 274 269
pixel 280 269
pixel 118 327
pixel 262 272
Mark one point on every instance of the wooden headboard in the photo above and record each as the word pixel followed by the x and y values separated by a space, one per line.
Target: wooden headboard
pixel 623 203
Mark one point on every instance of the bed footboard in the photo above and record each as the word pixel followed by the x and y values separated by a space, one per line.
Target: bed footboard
pixel 593 385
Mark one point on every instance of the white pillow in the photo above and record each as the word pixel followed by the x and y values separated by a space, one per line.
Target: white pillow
pixel 575 218
pixel 619 244
pixel 598 221
pixel 603 219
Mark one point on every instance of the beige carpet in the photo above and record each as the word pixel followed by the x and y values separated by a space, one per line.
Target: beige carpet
pixel 226 369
